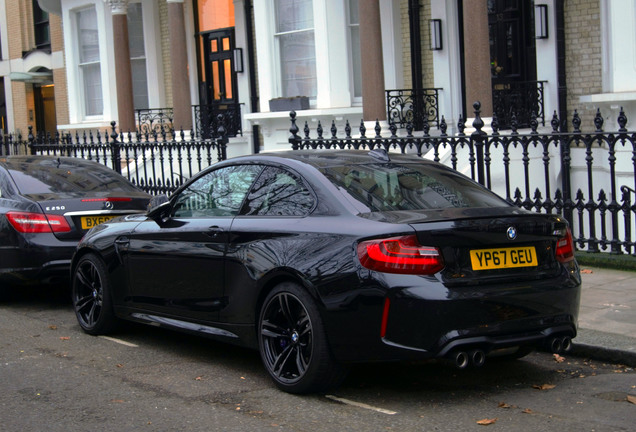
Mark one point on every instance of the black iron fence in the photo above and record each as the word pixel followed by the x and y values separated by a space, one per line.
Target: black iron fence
pixel 154 120
pixel 207 120
pixel 516 102
pixel 588 178
pixel 413 107
pixel 158 162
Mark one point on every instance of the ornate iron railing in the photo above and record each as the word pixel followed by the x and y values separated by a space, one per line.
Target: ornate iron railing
pixel 413 107
pixel 515 102
pixel 157 163
pixel 208 119
pixel 153 120
pixel 535 171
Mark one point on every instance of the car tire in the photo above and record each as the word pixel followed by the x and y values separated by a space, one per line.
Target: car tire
pixel 91 295
pixel 293 343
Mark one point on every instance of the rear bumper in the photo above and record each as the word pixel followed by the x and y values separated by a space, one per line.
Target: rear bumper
pixel 426 319
pixel 41 260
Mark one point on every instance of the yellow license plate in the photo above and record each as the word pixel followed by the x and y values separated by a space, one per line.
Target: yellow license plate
pixel 91 221
pixel 488 259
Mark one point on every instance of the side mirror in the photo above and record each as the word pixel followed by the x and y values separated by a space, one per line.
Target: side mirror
pixel 156 201
pixel 159 209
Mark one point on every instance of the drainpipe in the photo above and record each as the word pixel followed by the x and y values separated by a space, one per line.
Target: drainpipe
pixel 416 62
pixel 560 46
pixel 249 30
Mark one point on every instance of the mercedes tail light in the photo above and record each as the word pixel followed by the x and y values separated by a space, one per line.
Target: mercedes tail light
pixel 400 255
pixel 26 222
pixel 565 248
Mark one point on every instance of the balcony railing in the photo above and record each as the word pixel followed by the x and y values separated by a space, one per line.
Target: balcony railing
pixel 208 119
pixel 515 102
pixel 413 107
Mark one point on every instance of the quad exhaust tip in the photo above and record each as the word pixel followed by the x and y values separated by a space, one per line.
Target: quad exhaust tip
pixel 464 359
pixel 559 344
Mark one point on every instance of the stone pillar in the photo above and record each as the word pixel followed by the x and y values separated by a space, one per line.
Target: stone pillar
pixel 373 97
pixel 181 100
pixel 123 70
pixel 477 57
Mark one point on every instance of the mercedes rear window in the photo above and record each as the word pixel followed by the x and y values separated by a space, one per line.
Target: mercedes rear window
pixel 48 176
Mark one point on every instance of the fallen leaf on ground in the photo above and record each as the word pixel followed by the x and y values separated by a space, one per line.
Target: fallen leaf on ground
pixel 631 399
pixel 527 411
pixel 53 327
pixel 504 405
pixel 544 386
pixel 65 337
pixel 198 378
pixel 119 365
pixel 587 271
pixel 486 422
pixel 558 358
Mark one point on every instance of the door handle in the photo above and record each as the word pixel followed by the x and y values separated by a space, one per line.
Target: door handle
pixel 214 231
pixel 122 241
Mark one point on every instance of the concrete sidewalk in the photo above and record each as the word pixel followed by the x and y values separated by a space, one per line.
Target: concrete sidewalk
pixel 607 318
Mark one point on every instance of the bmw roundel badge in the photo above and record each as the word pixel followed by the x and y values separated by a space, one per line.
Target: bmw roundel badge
pixel 511 233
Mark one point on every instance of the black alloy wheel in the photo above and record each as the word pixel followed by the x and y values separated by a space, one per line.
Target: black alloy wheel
pixel 91 296
pixel 293 344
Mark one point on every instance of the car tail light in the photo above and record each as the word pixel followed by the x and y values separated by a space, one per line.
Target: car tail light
pixel 400 255
pixel 25 222
pixel 565 248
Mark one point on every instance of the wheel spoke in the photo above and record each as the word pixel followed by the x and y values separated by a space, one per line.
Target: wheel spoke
pixel 281 360
pixel 91 318
pixel 304 325
pixel 271 330
pixel 285 308
pixel 81 277
pixel 301 364
pixel 81 303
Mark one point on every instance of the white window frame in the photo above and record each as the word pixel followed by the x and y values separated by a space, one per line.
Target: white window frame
pixel 152 49
pixel 154 66
pixel 356 99
pixel 80 66
pixel 139 59
pixel 277 49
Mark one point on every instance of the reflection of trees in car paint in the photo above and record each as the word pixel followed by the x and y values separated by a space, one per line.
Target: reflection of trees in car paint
pixel 219 193
pixel 387 187
pixel 278 193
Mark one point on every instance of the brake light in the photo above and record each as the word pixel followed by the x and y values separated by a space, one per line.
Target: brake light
pixel 25 222
pixel 565 248
pixel 400 255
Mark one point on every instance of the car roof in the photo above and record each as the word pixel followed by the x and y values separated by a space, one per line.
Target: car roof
pixel 36 174
pixel 16 161
pixel 327 158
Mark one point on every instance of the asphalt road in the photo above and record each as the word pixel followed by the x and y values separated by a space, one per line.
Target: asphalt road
pixel 53 377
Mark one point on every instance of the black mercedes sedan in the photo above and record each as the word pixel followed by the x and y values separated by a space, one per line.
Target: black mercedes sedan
pixel 322 259
pixel 46 205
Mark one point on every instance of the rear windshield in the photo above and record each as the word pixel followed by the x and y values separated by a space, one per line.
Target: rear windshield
pixel 48 176
pixel 392 186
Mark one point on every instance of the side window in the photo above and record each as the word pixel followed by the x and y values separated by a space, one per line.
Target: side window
pixel 278 193
pixel 219 193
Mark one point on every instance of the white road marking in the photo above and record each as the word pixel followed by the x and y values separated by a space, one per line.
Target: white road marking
pixel 119 341
pixel 360 405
